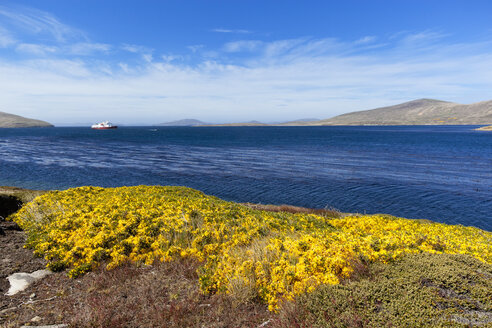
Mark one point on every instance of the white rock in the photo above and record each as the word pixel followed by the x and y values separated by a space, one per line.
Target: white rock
pixel 265 323
pixel 21 280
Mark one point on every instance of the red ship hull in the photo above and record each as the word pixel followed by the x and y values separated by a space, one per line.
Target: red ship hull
pixel 105 128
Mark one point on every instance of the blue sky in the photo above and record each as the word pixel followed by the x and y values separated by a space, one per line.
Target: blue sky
pixel 144 62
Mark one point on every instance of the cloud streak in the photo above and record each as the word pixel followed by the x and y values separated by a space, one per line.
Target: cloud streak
pixel 33 21
pixel 6 38
pixel 237 31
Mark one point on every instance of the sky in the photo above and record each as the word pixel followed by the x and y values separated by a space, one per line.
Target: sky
pixel 145 62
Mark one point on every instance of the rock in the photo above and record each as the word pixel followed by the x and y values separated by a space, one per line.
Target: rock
pixel 265 323
pixel 20 281
pixel 36 319
pixel 10 226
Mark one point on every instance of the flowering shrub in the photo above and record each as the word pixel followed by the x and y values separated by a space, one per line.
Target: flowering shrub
pixel 248 253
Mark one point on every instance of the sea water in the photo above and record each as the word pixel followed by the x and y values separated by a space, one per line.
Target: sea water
pixel 441 173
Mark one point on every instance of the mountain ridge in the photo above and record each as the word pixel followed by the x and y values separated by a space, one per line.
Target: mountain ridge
pixel 418 112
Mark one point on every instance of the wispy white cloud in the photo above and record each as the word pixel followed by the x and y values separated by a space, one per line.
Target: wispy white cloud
pixel 234 31
pixel 424 37
pixel 196 47
pixel 366 39
pixel 6 39
pixel 171 58
pixel 61 69
pixel 124 67
pixel 77 49
pixel 137 49
pixel 243 45
pixel 35 21
pixel 36 49
pixel 148 58
pixel 290 49
pixel 22 23
pixel 88 48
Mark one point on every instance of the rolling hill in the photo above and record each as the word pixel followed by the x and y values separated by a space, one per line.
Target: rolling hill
pixel 417 112
pixel 15 121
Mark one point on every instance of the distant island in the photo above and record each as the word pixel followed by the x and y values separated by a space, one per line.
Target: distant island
pixel 185 122
pixel 485 128
pixel 15 121
pixel 416 112
pixel 251 123
pixel 257 123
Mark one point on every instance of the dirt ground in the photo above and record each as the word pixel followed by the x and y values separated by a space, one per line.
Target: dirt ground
pixel 160 295
pixel 22 307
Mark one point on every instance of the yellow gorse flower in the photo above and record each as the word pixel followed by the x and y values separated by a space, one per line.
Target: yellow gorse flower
pixel 275 256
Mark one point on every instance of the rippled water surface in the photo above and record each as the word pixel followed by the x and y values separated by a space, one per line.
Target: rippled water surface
pixel 441 173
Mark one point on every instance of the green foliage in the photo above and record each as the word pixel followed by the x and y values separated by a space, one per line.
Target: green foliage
pixel 421 290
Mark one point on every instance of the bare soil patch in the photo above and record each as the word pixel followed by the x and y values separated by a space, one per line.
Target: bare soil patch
pixel 159 295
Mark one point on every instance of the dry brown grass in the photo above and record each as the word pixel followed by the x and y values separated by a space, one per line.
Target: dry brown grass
pixel 161 295
pixel 12 198
pixel 331 213
pixel 24 195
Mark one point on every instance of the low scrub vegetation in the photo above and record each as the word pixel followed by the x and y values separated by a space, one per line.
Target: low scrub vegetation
pixel 253 256
pixel 420 290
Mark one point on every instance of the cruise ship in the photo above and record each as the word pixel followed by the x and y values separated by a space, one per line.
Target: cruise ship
pixel 103 126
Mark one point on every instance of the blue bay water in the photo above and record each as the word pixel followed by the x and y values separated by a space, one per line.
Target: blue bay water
pixel 442 173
